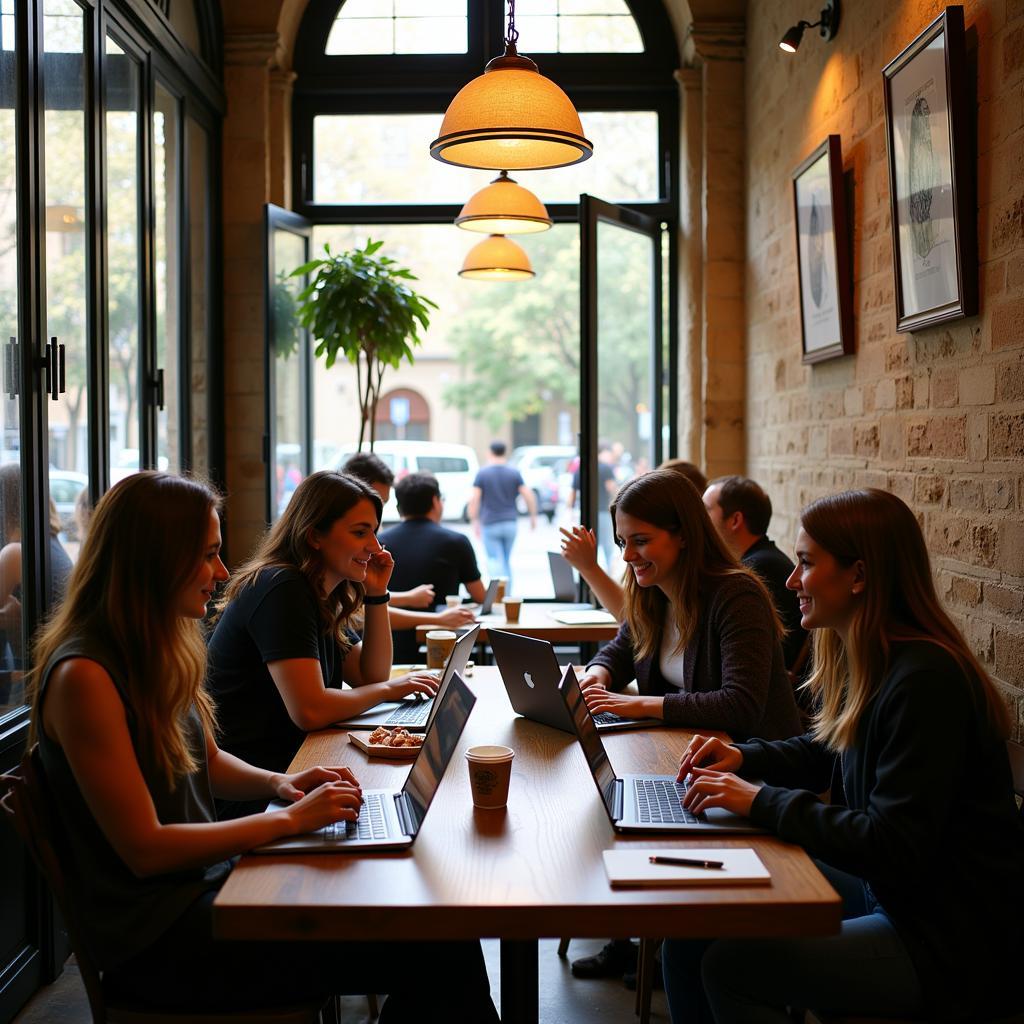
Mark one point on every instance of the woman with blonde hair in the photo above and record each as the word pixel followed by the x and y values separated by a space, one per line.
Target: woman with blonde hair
pixel 283 644
pixel 127 751
pixel 922 835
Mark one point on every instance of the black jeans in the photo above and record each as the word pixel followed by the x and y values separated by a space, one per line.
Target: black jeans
pixel 187 969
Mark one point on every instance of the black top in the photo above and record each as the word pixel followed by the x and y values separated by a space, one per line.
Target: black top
pixel 274 619
pixel 774 568
pixel 923 810
pixel 499 485
pixel 121 913
pixel 426 552
pixel 735 678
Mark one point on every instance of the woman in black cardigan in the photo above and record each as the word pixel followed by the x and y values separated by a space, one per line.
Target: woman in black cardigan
pixel 701 636
pixel 922 834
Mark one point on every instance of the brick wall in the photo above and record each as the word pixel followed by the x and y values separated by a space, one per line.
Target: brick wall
pixel 937 417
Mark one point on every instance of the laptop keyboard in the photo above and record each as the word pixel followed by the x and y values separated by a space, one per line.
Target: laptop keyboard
pixel 660 800
pixel 369 825
pixel 607 718
pixel 411 713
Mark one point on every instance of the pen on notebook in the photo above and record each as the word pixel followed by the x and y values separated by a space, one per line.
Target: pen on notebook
pixel 687 862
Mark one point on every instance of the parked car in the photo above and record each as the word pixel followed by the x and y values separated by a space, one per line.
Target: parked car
pixel 454 465
pixel 65 487
pixel 542 466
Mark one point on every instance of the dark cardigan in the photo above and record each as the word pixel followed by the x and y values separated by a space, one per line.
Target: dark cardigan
pixel 923 810
pixel 735 675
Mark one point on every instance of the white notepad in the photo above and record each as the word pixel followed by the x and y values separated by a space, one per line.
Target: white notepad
pixel 591 617
pixel 633 867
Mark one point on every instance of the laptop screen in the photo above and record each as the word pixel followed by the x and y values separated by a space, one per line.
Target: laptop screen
pixel 590 741
pixel 489 596
pixel 456 662
pixel 439 743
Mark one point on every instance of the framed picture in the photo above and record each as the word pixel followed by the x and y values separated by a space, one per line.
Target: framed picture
pixel 931 177
pixel 823 254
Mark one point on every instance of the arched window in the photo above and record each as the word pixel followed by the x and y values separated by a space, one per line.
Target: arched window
pixel 498 361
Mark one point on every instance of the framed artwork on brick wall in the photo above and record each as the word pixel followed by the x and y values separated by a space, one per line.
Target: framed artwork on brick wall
pixel 823 254
pixel 932 176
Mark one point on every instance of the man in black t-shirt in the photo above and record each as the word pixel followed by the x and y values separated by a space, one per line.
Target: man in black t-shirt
pixel 427 552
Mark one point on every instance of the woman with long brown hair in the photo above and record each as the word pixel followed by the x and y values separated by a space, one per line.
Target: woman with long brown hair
pixel 922 835
pixel 127 749
pixel 283 644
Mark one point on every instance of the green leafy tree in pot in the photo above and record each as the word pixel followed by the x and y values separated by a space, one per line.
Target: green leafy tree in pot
pixel 359 305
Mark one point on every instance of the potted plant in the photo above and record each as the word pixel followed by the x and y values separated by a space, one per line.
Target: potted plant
pixel 359 305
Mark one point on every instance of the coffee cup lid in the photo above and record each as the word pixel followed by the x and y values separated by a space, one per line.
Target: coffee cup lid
pixel 490 753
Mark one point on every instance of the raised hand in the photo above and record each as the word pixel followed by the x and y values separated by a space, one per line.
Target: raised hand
pixel 378 571
pixel 579 547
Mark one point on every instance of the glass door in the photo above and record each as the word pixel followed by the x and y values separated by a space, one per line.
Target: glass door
pixel 621 316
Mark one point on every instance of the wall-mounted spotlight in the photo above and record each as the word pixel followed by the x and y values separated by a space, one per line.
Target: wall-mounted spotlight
pixel 828 24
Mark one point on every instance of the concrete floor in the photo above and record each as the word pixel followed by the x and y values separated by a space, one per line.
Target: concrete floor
pixel 563 999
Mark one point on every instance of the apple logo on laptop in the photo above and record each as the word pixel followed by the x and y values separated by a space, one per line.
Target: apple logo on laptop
pixel 529 682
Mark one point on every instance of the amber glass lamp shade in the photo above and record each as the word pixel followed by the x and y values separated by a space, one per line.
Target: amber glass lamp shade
pixel 511 118
pixel 496 258
pixel 504 208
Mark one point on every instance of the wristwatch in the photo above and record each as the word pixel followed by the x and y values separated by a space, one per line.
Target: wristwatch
pixel 377 598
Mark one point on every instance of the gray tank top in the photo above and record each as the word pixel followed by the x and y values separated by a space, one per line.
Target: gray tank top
pixel 123 914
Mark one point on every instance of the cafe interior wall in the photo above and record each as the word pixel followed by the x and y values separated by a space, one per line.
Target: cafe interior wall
pixel 936 416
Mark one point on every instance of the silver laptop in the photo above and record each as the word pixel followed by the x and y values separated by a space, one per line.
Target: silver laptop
pixel 414 713
pixel 487 605
pixel 392 819
pixel 640 803
pixel 530 671
pixel 562 578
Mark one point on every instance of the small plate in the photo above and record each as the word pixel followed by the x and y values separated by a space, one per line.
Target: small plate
pixel 376 750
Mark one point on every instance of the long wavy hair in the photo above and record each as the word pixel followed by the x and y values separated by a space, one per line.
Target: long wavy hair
pixel 666 499
pixel 317 503
pixel 146 540
pixel 898 603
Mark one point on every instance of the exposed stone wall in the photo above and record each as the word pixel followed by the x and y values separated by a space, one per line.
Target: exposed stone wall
pixel 937 417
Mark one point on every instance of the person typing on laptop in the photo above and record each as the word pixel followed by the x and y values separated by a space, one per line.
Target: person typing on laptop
pixel 922 836
pixel 700 636
pixel 127 751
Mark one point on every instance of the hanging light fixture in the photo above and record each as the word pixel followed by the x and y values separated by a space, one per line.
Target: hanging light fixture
pixel 496 258
pixel 511 117
pixel 504 208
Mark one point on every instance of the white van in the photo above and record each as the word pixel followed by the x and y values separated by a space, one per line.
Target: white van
pixel 454 465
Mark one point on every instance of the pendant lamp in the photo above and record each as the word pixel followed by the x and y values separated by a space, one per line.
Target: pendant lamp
pixel 504 208
pixel 511 117
pixel 496 258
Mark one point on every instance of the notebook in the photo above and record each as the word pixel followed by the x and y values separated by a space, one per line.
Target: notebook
pixel 591 617
pixel 633 868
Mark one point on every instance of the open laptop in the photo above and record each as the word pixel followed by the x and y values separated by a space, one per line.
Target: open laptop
pixel 562 578
pixel 640 803
pixel 530 671
pixel 414 713
pixel 487 605
pixel 392 819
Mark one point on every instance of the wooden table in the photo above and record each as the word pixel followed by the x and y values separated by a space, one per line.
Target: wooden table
pixel 535 620
pixel 533 870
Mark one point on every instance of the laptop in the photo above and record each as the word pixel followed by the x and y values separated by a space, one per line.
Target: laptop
pixel 561 577
pixel 530 671
pixel 486 607
pixel 414 713
pixel 390 819
pixel 640 803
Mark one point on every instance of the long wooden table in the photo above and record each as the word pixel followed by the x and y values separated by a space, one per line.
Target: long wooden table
pixel 533 870
pixel 535 620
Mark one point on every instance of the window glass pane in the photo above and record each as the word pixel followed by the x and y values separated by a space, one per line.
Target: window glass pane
pixel 500 360
pixel 199 292
pixel 12 639
pixel 66 296
pixel 124 263
pixel 185 24
pixel 398 26
pixel 289 458
pixel 576 26
pixel 167 245
pixel 384 158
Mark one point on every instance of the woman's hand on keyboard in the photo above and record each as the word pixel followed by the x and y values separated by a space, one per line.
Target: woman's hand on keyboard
pixel 331 802
pixel 711 753
pixel 624 705
pixel 719 789
pixel 422 683
pixel 293 787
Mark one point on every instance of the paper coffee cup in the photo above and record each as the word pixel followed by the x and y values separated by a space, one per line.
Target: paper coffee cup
pixel 490 769
pixel 453 600
pixel 440 643
pixel 499 595
pixel 512 606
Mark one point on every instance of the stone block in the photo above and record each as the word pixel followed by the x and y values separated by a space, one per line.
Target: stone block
pixel 980 639
pixel 1006 435
pixel 1008 325
pixel 904 392
pixel 885 394
pixel 1010 381
pixel 966 493
pixel 902 485
pixel 962 590
pixel 929 490
pixel 866 440
pixel 999 493
pixel 1011 547
pixel 943 437
pixel 944 391
pixel 977 385
pixel 853 401
pixel 1005 600
pixel 1004 221
pixel 892 438
pixel 1009 650
pixel 840 441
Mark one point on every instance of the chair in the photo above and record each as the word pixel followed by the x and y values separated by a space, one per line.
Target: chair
pixel 1015 752
pixel 26 803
